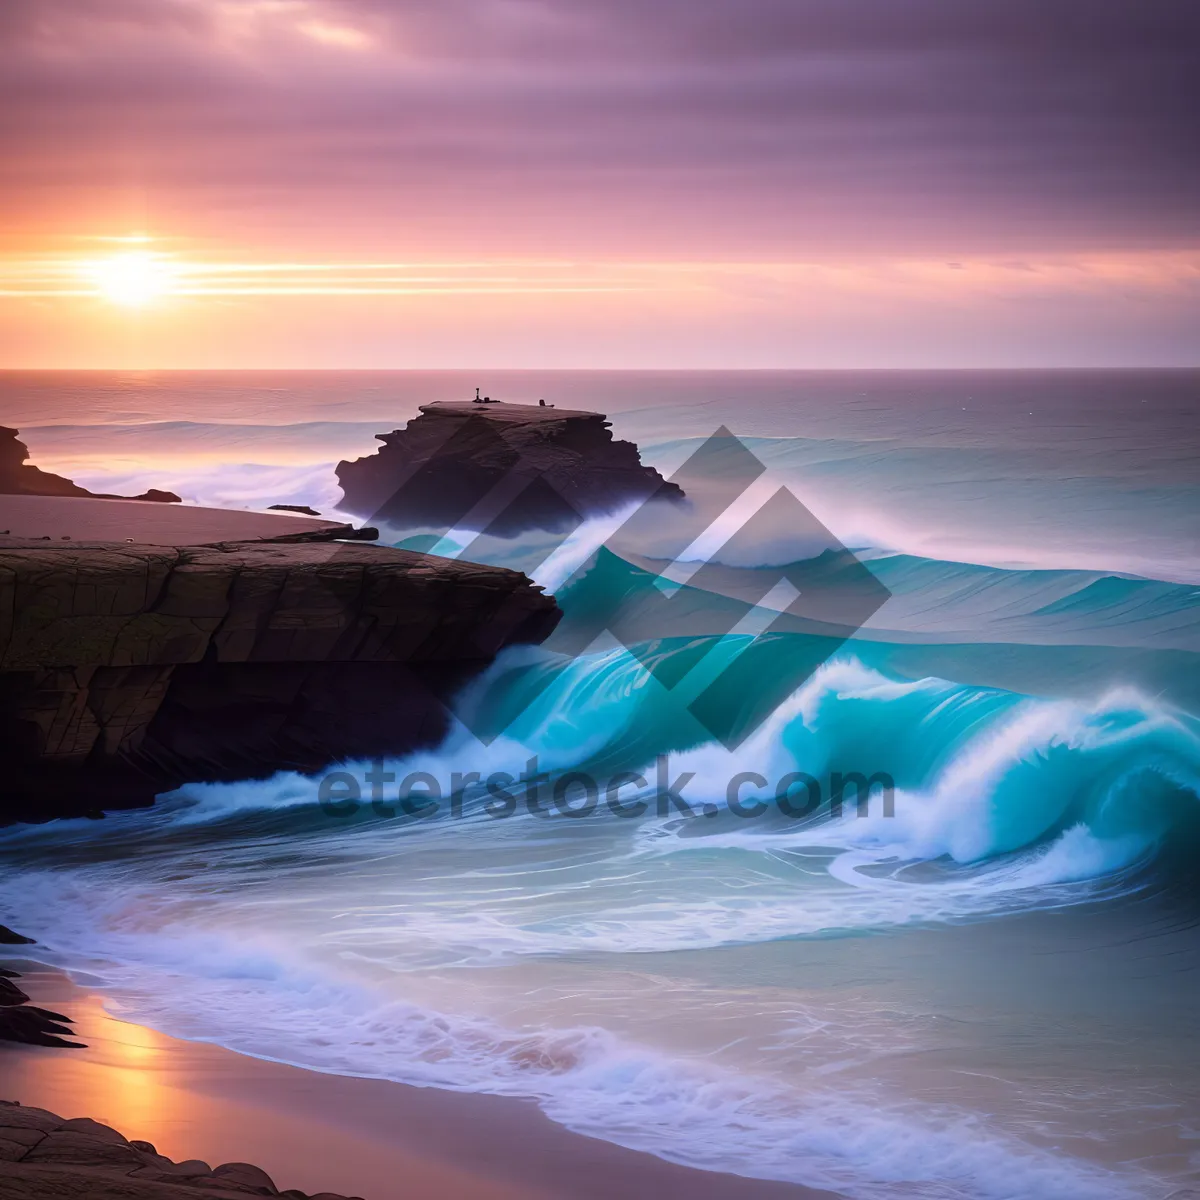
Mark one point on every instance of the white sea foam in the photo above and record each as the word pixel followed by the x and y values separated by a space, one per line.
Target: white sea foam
pixel 1023 812
pixel 256 996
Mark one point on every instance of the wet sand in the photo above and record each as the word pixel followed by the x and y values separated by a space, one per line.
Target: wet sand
pixel 316 1132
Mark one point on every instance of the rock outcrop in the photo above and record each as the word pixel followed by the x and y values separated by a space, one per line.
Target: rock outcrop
pixel 501 467
pixel 19 477
pixel 21 1021
pixel 305 510
pixel 126 670
pixel 42 1155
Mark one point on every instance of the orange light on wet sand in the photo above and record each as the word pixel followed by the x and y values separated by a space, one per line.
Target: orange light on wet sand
pixel 133 279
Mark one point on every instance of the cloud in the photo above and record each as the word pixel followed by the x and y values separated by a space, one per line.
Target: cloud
pixel 612 126
pixel 343 36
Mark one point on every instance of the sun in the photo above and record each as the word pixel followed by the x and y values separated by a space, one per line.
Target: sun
pixel 134 279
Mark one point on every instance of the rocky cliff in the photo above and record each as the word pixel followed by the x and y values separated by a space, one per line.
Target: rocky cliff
pixel 503 467
pixel 129 669
pixel 19 477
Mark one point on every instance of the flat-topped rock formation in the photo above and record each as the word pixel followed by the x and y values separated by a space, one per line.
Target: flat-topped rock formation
pixel 43 1155
pixel 129 669
pixel 19 477
pixel 501 467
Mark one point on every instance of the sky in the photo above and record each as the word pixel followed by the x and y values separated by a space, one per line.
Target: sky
pixel 599 183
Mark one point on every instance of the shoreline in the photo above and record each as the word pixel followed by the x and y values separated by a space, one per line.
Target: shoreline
pixel 366 1137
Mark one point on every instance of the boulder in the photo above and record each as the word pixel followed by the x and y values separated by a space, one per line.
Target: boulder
pixel 65 1147
pixel 247 1176
pixel 42 1156
pixel 90 1128
pixel 14 1115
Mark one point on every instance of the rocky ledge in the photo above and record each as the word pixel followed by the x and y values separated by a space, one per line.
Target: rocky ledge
pixel 20 478
pixel 501 467
pixel 126 670
pixel 42 1155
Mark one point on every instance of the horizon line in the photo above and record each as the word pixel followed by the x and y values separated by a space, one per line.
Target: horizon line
pixel 709 370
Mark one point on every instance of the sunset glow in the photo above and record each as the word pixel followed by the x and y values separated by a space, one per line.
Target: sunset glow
pixel 133 279
pixel 627 573
pixel 349 183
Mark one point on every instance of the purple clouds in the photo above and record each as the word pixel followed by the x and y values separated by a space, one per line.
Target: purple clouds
pixel 708 128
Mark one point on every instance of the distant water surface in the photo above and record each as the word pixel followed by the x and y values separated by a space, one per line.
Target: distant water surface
pixel 991 994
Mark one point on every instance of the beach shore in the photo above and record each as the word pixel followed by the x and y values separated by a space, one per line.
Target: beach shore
pixel 366 1137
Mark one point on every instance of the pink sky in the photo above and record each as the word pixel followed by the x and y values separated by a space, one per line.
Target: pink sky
pixel 597 183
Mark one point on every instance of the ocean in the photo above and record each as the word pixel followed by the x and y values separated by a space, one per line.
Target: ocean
pixel 989 991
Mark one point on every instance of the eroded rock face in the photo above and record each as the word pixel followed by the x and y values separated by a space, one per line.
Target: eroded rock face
pixel 41 1155
pixel 543 468
pixel 19 477
pixel 126 670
